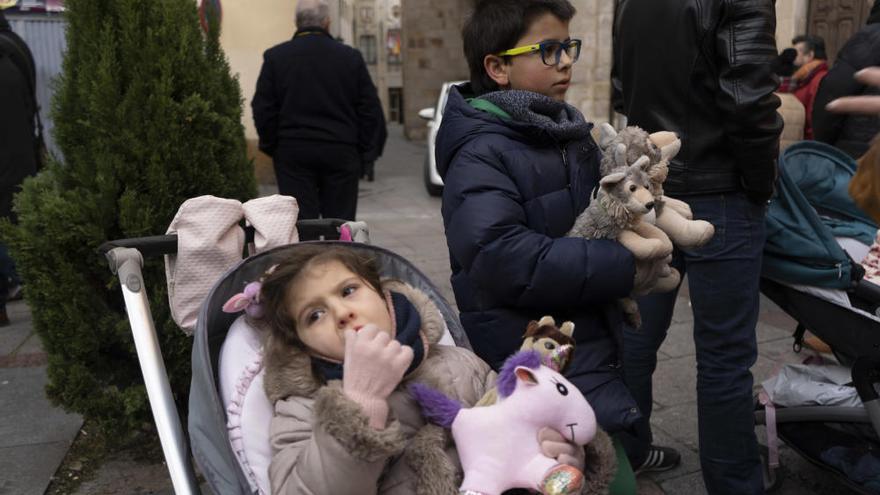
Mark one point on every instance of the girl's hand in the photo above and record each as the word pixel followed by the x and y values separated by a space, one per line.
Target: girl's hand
pixel 555 446
pixel 373 367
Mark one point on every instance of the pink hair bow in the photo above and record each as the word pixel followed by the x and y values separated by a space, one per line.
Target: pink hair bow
pixel 247 300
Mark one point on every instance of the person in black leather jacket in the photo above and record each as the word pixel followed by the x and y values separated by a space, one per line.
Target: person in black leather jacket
pixel 850 133
pixel 711 82
pixel 318 116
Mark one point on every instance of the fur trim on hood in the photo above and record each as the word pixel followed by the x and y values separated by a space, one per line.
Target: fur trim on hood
pixel 289 368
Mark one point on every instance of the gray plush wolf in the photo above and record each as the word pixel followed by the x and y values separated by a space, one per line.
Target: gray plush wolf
pixel 672 216
pixel 622 200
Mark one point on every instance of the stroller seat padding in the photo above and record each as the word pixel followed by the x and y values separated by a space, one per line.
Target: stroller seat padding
pixel 248 410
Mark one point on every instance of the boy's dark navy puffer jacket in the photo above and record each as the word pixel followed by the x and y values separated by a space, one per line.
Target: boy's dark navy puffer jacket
pixel 511 192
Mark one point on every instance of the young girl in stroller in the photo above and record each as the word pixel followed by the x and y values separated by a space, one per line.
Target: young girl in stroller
pixel 343 347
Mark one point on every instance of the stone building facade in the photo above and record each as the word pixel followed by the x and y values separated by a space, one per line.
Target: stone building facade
pixel 377 34
pixel 433 52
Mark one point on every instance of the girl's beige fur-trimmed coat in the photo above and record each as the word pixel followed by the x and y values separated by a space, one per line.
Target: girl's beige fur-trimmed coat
pixel 323 444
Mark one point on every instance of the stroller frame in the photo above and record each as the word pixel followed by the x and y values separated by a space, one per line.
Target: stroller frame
pixel 851 348
pixel 126 258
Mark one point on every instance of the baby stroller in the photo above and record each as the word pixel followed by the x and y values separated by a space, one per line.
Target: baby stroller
pixel 814 235
pixel 207 440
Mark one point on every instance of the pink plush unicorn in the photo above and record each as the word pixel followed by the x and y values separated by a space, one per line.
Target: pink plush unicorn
pixel 498 444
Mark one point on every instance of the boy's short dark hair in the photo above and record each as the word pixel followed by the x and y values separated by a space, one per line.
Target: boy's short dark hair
pixel 496 25
pixel 815 44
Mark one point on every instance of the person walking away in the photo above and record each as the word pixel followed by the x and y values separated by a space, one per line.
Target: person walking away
pixel 318 116
pixel 20 138
pixel 710 82
pixel 851 133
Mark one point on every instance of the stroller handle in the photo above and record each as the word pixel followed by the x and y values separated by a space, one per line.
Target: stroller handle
pixel 160 245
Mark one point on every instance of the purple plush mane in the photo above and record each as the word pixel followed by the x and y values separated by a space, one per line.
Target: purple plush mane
pixel 507 378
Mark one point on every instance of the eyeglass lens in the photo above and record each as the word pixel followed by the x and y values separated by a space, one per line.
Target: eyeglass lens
pixel 551 51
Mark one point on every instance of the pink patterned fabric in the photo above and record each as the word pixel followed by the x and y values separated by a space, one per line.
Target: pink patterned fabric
pixel 872 262
pixel 210 241
pixel 274 220
pixel 234 418
pixel 248 410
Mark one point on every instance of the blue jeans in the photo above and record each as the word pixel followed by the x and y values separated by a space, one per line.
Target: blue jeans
pixel 723 277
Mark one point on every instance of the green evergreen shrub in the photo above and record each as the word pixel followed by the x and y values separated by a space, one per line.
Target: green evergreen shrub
pixel 146 115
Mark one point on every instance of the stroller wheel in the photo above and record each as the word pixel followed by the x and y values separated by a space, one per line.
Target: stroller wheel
pixel 772 476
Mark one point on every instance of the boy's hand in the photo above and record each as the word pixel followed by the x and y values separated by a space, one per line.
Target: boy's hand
pixel 555 446
pixel 374 365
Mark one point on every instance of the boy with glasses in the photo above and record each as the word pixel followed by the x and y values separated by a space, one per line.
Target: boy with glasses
pixel 518 165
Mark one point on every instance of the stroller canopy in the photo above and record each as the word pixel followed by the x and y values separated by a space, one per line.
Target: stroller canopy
pixel 813 207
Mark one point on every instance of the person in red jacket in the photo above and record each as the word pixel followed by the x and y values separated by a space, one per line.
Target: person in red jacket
pixel 812 67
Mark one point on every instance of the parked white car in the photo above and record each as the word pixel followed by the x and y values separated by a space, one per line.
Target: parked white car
pixel 433 182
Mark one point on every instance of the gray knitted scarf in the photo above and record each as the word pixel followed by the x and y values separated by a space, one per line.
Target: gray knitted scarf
pixel 562 121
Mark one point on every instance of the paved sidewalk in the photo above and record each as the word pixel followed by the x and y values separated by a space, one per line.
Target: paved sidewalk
pixel 34 436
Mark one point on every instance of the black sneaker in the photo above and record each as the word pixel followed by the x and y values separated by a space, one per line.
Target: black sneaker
pixel 659 459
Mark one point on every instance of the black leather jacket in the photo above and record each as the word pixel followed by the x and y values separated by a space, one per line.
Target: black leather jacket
pixel 702 69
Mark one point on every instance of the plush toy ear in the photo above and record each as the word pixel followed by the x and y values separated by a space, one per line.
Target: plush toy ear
pixel 525 375
pixel 620 155
pixel 670 150
pixel 236 303
pixel 611 180
pixel 567 328
pixel 643 163
pixel 546 320
pixel 531 328
pixel 662 138
pixel 606 135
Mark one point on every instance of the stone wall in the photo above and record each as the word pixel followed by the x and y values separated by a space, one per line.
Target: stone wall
pixel 591 78
pixel 432 54
pixel 791 20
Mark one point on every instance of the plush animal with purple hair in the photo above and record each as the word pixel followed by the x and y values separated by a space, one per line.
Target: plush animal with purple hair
pixel 498 444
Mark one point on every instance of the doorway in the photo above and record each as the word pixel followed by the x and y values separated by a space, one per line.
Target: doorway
pixel 836 21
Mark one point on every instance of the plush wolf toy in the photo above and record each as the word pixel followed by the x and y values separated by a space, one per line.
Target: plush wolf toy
pixel 672 216
pixel 617 212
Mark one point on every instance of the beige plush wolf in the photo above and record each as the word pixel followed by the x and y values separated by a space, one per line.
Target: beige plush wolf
pixel 617 212
pixel 672 216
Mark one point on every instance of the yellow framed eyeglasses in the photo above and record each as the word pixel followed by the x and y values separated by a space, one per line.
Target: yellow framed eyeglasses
pixel 551 51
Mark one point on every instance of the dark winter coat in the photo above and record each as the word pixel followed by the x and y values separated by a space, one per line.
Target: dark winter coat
pixel 710 81
pixel 18 158
pixel 314 88
pixel 850 133
pixel 510 195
